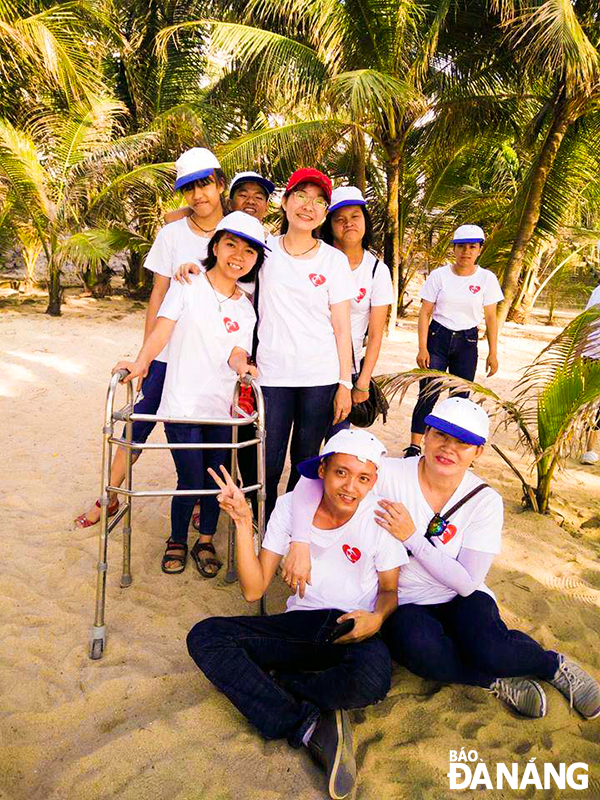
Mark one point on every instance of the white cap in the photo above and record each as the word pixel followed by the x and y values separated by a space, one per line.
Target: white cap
pixel 195 164
pixel 352 442
pixel 241 224
pixel 461 418
pixel 467 234
pixel 252 177
pixel 346 196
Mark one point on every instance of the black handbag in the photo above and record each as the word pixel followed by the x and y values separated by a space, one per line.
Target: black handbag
pixel 363 415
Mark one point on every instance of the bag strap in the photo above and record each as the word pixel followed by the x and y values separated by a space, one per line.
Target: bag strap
pixel 255 331
pixel 375 268
pixel 467 497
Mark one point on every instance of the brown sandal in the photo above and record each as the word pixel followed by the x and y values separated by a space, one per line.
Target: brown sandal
pixel 174 551
pixel 202 562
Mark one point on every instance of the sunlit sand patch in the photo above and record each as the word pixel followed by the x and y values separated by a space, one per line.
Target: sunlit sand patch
pixel 64 365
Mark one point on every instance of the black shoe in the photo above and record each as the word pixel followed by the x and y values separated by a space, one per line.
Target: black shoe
pixel 412 450
pixel 331 745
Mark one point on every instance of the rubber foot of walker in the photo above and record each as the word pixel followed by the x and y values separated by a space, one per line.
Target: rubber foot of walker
pixel 231 576
pixel 126 580
pixel 96 649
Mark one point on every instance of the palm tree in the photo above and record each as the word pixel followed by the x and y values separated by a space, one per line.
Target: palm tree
pixel 51 169
pixel 556 401
pixel 336 76
pixel 554 42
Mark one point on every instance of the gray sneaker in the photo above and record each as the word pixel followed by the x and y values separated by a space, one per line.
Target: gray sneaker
pixel 578 686
pixel 523 694
pixel 331 745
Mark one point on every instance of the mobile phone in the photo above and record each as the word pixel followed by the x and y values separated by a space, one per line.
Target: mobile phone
pixel 340 630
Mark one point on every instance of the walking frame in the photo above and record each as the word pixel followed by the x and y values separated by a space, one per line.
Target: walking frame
pixel 128 416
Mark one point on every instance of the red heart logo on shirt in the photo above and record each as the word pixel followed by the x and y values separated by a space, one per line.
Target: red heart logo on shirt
pixel 361 294
pixel 230 325
pixel 317 280
pixel 474 289
pixel 351 553
pixel 448 534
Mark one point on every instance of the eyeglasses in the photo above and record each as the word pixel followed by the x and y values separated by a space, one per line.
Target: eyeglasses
pixel 318 202
pixel 437 526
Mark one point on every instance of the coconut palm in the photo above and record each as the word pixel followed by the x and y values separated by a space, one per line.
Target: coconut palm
pixel 50 171
pixel 353 75
pixel 555 44
pixel 556 401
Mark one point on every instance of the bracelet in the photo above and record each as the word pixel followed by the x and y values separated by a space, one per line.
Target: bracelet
pixel 358 389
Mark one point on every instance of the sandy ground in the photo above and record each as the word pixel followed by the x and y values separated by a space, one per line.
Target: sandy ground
pixel 142 722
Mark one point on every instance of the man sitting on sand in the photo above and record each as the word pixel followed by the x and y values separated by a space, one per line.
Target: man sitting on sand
pixel 287 673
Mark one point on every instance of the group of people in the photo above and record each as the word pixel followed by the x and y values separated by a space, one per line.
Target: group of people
pixel 385 558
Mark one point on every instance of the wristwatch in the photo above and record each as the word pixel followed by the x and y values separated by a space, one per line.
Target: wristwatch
pixel 345 384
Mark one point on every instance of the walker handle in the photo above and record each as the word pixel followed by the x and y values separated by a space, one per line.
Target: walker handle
pixel 122 373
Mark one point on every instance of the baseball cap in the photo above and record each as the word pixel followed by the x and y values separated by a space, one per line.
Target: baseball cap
pixel 310 175
pixel 254 177
pixel 346 196
pixel 241 224
pixel 352 442
pixel 461 418
pixel 195 164
pixel 466 234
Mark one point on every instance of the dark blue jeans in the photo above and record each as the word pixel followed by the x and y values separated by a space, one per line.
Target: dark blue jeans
pixel 309 411
pixel 191 468
pixel 464 641
pixel 152 387
pixel 451 351
pixel 237 654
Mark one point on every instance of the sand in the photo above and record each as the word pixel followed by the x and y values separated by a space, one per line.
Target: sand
pixel 142 722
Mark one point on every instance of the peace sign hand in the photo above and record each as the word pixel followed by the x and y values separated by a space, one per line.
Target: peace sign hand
pixel 231 498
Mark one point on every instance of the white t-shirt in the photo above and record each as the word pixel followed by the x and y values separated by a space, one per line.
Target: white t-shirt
pixel 592 348
pixel 296 343
pixel 175 244
pixel 371 290
pixel 199 382
pixel 459 301
pixel 345 561
pixel 477 525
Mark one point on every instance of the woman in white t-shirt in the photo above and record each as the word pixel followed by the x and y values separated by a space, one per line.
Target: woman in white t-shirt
pixel 201 181
pixel 454 300
pixel 447 626
pixel 208 324
pixel 348 227
pixel 304 353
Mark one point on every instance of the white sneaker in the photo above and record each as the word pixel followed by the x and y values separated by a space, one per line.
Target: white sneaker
pixel 589 458
pixel 578 686
pixel 523 694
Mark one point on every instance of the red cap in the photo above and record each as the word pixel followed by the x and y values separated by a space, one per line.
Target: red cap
pixel 310 175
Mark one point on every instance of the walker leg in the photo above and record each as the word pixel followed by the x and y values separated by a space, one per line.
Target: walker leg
pixel 126 578
pixel 97 641
pixel 230 575
pixel 98 630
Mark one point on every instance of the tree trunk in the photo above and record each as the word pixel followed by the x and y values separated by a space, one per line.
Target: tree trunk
pixel 545 473
pixel 360 175
pixel 531 212
pixel 54 289
pixel 523 304
pixel 392 232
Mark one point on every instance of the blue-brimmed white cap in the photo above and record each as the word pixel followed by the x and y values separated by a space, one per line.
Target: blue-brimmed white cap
pixel 346 196
pixel 352 442
pixel 251 177
pixel 468 234
pixel 461 418
pixel 241 224
pixel 195 164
